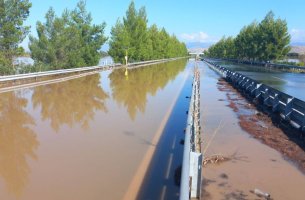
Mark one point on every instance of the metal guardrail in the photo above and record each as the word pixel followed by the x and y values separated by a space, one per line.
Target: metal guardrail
pixel 192 157
pixel 76 70
pixel 49 73
pixel 289 108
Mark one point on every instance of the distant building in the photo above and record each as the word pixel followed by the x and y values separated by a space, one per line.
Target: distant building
pixel 108 60
pixel 22 61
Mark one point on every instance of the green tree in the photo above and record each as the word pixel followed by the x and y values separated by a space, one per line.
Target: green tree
pixel 269 40
pixel 91 36
pixel 140 41
pixel 119 43
pixel 246 42
pixel 273 37
pixel 68 41
pixel 12 31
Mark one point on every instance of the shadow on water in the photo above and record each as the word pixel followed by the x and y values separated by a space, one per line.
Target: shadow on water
pixel 138 137
pixel 18 142
pixel 131 91
pixel 162 178
pixel 70 102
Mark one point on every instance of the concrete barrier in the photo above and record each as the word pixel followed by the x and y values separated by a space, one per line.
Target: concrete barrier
pixel 287 107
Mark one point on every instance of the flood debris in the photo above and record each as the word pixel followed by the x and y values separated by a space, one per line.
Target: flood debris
pixel 215 159
pixel 220 158
pixel 261 194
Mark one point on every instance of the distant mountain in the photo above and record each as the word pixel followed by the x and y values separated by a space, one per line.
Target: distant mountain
pixel 297 43
pixel 297 49
pixel 192 45
pixel 197 47
pixel 196 50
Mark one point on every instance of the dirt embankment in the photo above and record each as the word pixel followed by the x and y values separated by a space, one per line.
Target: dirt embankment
pixel 265 126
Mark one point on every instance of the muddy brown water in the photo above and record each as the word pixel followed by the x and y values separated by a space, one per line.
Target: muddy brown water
pixel 85 138
pixel 93 138
pixel 254 165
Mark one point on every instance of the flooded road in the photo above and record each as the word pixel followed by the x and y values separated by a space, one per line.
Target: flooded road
pixel 252 165
pixel 290 83
pixel 85 138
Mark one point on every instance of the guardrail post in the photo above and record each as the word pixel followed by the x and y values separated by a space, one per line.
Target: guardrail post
pixel 195 173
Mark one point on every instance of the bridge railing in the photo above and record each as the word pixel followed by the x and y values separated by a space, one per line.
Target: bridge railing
pixel 289 108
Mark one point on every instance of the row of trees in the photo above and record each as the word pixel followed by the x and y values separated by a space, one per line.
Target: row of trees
pixel 72 40
pixel 132 36
pixel 264 41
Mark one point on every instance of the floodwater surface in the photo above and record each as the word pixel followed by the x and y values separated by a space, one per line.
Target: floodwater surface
pixel 290 83
pixel 252 165
pixel 85 138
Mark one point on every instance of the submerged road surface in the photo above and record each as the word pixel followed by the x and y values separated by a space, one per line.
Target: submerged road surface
pixel 86 138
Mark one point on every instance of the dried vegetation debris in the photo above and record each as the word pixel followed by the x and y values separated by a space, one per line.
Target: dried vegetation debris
pixel 266 126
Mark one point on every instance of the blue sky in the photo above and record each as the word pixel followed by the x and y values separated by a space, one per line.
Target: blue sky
pixel 190 20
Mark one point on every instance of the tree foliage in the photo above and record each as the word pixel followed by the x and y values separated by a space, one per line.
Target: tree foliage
pixel 12 31
pixel 247 42
pixel 70 40
pixel 133 36
pixel 264 41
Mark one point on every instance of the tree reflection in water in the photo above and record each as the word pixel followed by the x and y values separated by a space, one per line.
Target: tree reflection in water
pixel 132 92
pixel 18 141
pixel 70 102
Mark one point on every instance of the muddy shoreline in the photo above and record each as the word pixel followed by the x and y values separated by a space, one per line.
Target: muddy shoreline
pixel 266 126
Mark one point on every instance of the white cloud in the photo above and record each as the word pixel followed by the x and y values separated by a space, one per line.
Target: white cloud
pixel 297 35
pixel 197 37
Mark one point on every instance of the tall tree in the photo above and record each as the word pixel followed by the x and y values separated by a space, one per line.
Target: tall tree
pixel 91 35
pixel 141 42
pixel 154 37
pixel 269 40
pixel 273 37
pixel 119 43
pixel 68 41
pixel 13 13
pixel 246 42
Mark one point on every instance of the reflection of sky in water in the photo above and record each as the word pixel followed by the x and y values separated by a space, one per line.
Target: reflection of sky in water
pixel 290 83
